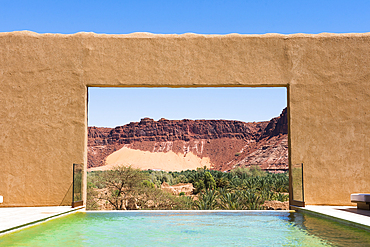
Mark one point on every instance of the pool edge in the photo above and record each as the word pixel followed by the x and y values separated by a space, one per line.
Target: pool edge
pixel 39 221
pixel 148 211
pixel 332 217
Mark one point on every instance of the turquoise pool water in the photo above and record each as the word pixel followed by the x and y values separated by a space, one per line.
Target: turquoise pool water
pixel 189 228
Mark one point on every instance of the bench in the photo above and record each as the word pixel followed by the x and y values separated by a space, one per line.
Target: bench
pixel 362 200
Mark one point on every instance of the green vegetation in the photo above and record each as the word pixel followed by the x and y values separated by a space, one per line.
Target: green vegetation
pixel 239 189
pixel 125 188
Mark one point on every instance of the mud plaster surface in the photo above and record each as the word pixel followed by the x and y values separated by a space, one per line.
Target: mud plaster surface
pixel 43 103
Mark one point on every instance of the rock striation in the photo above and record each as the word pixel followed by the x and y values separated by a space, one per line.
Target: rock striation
pixel 227 143
pixel 174 130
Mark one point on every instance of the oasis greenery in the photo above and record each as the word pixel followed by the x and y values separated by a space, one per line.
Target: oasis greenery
pixel 242 188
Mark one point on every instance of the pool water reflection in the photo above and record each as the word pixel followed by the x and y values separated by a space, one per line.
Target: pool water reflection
pixel 188 228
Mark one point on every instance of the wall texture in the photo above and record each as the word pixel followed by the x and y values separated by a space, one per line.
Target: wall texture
pixel 44 80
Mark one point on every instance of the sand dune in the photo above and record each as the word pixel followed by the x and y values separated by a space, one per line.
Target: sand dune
pixel 144 160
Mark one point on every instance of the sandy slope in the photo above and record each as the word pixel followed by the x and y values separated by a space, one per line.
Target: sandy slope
pixel 168 161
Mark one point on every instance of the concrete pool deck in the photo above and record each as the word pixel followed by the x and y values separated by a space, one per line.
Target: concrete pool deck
pixel 15 218
pixel 346 214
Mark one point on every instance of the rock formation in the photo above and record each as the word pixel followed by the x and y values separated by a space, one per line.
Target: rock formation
pixel 176 189
pixel 227 143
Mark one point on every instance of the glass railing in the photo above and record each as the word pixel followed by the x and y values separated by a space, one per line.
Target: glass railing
pixel 297 183
pixel 77 185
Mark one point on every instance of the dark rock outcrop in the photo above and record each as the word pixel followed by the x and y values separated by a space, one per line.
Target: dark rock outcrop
pixel 276 126
pixel 173 130
pixel 227 143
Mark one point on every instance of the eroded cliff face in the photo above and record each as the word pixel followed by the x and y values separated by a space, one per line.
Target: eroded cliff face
pixel 226 143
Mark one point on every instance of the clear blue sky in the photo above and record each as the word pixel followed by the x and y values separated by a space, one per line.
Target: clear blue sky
pixel 181 16
pixel 108 107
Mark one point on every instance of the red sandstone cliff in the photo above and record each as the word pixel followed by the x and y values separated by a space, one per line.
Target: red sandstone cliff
pixel 227 143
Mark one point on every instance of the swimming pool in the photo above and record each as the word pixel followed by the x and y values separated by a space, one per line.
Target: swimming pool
pixel 188 228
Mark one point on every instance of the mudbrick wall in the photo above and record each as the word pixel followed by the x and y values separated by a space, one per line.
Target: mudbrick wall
pixel 227 143
pixel 44 80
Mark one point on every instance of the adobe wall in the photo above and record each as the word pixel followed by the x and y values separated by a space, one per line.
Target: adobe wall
pixel 44 80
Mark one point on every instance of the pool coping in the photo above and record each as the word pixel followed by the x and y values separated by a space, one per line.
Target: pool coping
pixel 182 211
pixel 338 214
pixel 40 220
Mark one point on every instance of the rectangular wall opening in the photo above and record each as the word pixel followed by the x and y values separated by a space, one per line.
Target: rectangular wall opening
pixel 143 127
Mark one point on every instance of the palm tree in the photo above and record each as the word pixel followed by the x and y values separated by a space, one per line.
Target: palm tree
pixel 207 201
